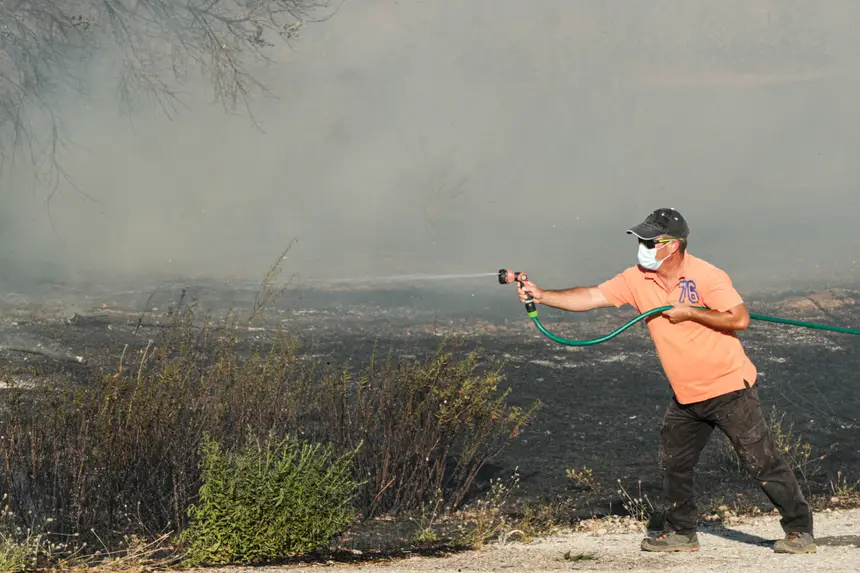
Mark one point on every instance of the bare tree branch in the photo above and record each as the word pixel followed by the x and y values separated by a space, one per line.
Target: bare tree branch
pixel 47 48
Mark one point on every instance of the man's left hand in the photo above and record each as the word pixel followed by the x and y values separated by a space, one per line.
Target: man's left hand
pixel 679 314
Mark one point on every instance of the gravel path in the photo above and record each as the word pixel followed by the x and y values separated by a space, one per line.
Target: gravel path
pixel 741 548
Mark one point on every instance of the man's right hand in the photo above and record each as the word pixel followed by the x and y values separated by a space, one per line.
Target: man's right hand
pixel 529 288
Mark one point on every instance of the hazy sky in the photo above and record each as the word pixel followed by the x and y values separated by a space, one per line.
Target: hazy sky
pixel 419 136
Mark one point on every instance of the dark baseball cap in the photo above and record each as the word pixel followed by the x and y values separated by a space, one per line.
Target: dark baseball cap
pixel 664 221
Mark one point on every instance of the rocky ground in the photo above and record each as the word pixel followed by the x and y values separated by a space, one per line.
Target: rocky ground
pixel 737 548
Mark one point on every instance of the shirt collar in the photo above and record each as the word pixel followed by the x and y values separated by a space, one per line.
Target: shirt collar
pixel 683 275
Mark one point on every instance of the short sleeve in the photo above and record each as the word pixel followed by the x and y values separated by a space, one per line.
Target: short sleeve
pixel 617 290
pixel 719 293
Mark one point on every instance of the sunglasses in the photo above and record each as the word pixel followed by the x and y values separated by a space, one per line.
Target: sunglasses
pixel 651 243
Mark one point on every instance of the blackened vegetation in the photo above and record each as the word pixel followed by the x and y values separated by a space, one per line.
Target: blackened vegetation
pixel 118 452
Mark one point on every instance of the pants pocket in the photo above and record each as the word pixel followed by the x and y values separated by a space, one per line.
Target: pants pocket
pixel 753 445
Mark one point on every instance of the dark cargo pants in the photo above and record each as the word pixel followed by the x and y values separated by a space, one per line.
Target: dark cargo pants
pixel 687 429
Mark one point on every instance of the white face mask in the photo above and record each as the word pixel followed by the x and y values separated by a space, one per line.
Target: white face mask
pixel 648 257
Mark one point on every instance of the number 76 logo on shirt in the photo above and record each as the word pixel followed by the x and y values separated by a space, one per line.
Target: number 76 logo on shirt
pixel 688 292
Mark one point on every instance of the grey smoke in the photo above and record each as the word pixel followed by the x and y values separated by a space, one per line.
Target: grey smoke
pixel 463 136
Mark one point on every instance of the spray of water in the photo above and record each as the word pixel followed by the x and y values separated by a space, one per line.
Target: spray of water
pixel 405 278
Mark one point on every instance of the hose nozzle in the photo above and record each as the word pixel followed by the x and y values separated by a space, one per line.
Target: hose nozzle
pixel 507 277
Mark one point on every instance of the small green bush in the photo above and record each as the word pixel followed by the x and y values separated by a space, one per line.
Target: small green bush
pixel 268 501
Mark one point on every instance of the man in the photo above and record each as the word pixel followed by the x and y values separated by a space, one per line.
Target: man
pixel 712 379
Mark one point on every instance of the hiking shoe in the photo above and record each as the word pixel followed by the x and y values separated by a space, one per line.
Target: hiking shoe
pixel 796 543
pixel 671 541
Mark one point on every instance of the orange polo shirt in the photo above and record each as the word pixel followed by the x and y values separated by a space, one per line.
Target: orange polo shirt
pixel 699 362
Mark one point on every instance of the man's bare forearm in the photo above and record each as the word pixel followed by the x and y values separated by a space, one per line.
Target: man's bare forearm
pixel 577 299
pixel 724 321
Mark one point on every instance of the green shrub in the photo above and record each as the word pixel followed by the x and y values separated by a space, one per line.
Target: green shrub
pixel 268 501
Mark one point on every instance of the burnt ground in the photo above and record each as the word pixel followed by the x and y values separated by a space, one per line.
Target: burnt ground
pixel 602 405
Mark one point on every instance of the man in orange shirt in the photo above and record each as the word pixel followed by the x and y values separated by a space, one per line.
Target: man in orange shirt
pixel 713 380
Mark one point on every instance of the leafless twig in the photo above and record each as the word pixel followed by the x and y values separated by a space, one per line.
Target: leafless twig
pixel 48 49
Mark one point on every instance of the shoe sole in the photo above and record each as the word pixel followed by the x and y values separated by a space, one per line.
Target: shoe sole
pixel 798 551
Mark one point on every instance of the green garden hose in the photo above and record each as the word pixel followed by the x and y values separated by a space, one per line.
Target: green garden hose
pixel 506 277
pixel 555 338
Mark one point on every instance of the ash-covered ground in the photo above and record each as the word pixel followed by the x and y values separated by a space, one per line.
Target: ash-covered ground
pixel 602 405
